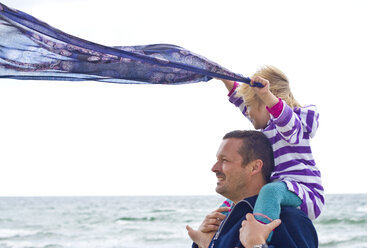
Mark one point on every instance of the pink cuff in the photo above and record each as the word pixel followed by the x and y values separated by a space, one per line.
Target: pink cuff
pixel 235 85
pixel 276 110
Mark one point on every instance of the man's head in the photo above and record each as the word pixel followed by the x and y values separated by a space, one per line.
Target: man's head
pixel 244 164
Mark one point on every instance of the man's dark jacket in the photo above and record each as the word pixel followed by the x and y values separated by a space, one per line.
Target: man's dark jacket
pixel 296 229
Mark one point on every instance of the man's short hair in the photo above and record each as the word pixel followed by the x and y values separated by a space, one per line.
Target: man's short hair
pixel 255 145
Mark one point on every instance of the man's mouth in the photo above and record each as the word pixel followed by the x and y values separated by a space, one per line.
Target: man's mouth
pixel 221 177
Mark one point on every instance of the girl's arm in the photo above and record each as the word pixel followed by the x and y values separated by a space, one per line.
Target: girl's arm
pixel 293 125
pixel 264 93
pixel 229 84
pixel 233 98
pixel 237 100
pixel 287 123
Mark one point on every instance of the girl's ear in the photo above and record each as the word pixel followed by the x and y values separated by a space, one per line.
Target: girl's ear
pixel 257 166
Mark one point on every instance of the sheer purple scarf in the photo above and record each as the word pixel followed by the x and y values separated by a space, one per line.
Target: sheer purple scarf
pixel 31 49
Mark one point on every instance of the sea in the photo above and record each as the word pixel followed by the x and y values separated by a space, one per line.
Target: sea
pixel 148 221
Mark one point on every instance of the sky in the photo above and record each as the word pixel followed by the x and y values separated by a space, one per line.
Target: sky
pixel 101 139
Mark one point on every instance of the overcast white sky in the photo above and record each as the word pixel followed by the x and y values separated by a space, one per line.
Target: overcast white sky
pixel 90 138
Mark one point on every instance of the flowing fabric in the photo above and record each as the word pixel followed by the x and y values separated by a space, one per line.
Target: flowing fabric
pixel 31 49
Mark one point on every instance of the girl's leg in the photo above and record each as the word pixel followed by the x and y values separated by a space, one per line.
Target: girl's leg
pixel 226 203
pixel 271 197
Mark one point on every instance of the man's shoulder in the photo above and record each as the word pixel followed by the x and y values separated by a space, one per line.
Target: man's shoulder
pixel 296 230
pixel 294 214
pixel 291 210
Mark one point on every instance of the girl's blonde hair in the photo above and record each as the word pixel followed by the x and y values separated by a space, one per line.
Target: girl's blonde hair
pixel 279 86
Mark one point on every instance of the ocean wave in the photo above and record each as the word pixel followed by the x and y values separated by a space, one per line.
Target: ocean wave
pixel 160 237
pixel 6 220
pixel 163 210
pixel 12 233
pixel 41 235
pixel 53 246
pixel 348 242
pixel 21 234
pixel 346 220
pixel 148 219
pixel 147 222
pixel 362 209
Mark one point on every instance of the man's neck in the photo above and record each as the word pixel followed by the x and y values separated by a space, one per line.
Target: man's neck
pixel 245 197
pixel 249 193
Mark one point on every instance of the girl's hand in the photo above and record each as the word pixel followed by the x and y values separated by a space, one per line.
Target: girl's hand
pixel 212 221
pixel 260 91
pixel 264 93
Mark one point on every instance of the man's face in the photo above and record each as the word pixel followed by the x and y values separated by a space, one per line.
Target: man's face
pixel 233 177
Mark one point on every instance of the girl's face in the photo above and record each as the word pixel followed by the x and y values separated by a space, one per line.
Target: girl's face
pixel 258 114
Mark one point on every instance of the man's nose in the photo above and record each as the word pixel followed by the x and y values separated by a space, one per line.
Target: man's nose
pixel 216 167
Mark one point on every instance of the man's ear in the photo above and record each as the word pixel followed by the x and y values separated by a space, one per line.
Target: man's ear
pixel 257 165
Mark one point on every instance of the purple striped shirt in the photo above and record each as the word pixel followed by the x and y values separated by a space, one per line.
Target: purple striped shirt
pixel 290 135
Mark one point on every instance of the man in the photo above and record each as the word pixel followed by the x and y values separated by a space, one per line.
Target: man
pixel 244 164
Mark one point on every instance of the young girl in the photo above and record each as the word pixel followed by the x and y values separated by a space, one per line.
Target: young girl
pixel 295 180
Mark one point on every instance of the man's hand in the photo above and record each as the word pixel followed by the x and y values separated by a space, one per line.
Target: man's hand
pixel 212 221
pixel 201 239
pixel 253 232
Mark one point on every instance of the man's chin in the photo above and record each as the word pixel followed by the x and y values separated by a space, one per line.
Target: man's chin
pixel 220 190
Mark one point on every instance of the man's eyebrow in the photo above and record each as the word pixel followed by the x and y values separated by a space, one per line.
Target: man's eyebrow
pixel 222 156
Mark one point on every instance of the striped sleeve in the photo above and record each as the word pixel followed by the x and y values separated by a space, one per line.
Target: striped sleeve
pixel 294 125
pixel 238 101
pixel 289 125
pixel 310 119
